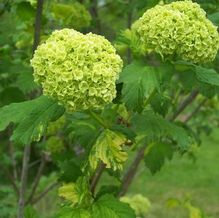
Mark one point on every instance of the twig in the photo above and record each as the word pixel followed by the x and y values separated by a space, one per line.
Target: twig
pixel 41 195
pixel 34 163
pixel 37 29
pixel 11 179
pixel 37 178
pixel 129 176
pixel 195 111
pixel 96 177
pixel 24 175
pixel 129 23
pixel 95 15
pixel 184 104
pixel 13 160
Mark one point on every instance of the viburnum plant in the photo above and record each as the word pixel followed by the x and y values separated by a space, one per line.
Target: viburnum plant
pixel 99 106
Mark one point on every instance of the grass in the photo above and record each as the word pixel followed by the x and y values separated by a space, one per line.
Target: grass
pixel 182 177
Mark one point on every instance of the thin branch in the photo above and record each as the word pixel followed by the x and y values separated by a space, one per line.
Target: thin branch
pixel 95 15
pixel 41 195
pixel 37 178
pixel 129 23
pixel 24 175
pixel 96 177
pixel 11 179
pixel 12 155
pixel 130 15
pixel 13 160
pixel 195 111
pixel 34 163
pixel 184 104
pixel 37 29
pixel 130 174
pixel 26 157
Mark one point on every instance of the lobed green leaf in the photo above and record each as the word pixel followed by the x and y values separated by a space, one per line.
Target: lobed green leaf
pixel 30 118
pixel 139 81
pixel 108 149
pixel 156 154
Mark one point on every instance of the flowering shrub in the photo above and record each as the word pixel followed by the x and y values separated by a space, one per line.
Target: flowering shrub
pixel 78 70
pixel 180 28
pixel 88 157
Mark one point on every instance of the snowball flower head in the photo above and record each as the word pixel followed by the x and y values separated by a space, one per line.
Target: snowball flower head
pixel 78 70
pixel 179 29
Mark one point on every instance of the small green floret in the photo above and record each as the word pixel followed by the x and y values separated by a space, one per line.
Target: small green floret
pixel 55 127
pixel 78 70
pixel 180 29
pixel 54 145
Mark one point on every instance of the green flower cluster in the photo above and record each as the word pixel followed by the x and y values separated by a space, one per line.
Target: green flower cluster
pixel 54 145
pixel 78 70
pixel 178 29
pixel 56 126
pixel 74 15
